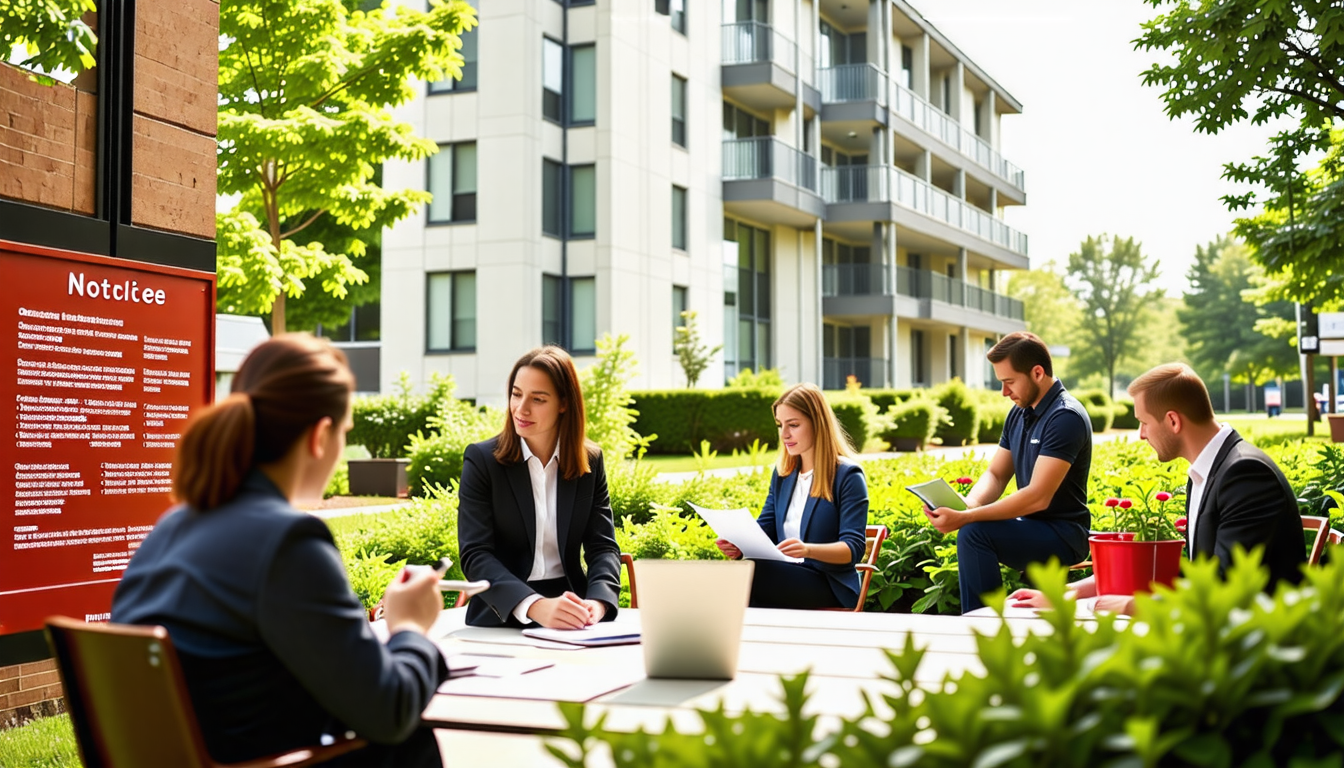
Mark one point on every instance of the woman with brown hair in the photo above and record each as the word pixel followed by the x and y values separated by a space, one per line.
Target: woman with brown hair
pixel 817 509
pixel 276 648
pixel 530 498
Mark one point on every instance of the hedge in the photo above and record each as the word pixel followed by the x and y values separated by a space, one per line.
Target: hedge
pixel 885 398
pixel 730 419
pixel 1100 408
pixel 993 415
pixel 384 423
pixel 962 409
pixel 1124 415
pixel 916 419
pixel 857 416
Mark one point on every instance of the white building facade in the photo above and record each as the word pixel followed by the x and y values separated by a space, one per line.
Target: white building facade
pixel 820 181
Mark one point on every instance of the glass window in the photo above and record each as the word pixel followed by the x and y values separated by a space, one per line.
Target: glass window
pixel 583 313
pixel 918 371
pixel 583 84
pixel 679 110
pixel 452 181
pixel 677 11
pixel 907 67
pixel 679 217
pixel 583 200
pixel 678 306
pixel 550 310
pixel 469 59
pixel 451 312
pixel 746 297
pixel 552 194
pixel 953 364
pixel 552 79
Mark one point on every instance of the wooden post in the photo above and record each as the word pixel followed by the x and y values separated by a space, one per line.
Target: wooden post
pixel 1334 382
pixel 1310 379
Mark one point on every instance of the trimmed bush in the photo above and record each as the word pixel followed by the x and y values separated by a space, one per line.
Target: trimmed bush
pixel 856 414
pixel 436 459
pixel 1100 408
pixel 963 410
pixel 730 419
pixel 885 398
pixel 1124 415
pixel 913 420
pixel 993 415
pixel 384 423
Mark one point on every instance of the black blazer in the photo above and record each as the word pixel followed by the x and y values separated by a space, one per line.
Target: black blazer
pixel 844 519
pixel 496 534
pixel 1248 501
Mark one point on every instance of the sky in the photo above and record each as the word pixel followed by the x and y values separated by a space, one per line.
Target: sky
pixel 1100 154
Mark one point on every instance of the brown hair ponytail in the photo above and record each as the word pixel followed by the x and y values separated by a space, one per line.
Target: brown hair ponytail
pixel 284 387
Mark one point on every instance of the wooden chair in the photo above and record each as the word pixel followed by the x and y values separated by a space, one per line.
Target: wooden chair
pixel 129 704
pixel 626 560
pixel 866 567
pixel 1321 525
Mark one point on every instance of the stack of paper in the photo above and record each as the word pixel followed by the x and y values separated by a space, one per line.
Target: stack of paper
pixel 599 634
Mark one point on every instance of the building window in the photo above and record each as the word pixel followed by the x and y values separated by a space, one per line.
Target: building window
pixel 582 309
pixel 953 362
pixel 677 12
pixel 364 324
pixel 679 305
pixel 451 316
pixel 679 111
pixel 452 181
pixel 552 79
pixel 552 197
pixel 947 94
pixel 552 330
pixel 582 200
pixel 908 67
pixel 738 124
pixel 746 298
pixel 582 107
pixel 679 217
pixel 469 59
pixel 919 373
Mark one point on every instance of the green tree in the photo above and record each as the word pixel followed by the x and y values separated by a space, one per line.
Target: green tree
pixel 1112 280
pixel 693 353
pixel 607 402
pixel 1049 308
pixel 305 88
pixel 49 35
pixel 1235 60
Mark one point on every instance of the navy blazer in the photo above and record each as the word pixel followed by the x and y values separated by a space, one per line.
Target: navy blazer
pixel 844 519
pixel 496 534
pixel 1248 501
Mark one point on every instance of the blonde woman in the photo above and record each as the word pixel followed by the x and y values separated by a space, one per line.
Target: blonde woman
pixel 817 509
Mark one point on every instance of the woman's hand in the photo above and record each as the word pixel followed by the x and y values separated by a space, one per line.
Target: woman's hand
pixel 728 549
pixel 596 610
pixel 1028 598
pixel 569 611
pixel 794 548
pixel 413 600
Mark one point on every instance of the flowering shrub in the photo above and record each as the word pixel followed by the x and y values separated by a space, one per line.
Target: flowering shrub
pixel 1151 523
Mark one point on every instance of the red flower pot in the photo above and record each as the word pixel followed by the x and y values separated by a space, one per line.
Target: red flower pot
pixel 1124 566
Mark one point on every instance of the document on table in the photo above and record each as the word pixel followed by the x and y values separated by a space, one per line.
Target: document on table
pixel 739 527
pixel 561 682
pixel 611 633
pixel 937 493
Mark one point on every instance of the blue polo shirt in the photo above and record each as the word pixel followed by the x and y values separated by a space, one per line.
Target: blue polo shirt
pixel 1057 427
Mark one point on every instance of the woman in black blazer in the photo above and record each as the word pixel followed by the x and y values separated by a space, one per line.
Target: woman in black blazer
pixel 530 498
pixel 817 509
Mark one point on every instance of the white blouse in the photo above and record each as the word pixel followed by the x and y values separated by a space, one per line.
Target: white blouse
pixel 793 518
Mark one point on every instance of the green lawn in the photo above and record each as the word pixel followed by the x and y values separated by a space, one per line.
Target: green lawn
pixel 1278 430
pixel 688 463
pixel 45 743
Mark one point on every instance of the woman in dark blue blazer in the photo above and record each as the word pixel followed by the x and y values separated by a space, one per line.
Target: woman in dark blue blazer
pixel 817 509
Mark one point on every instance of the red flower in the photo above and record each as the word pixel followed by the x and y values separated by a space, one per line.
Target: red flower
pixel 1126 503
pixel 1181 524
pixel 964 481
pixel 1111 502
pixel 1163 496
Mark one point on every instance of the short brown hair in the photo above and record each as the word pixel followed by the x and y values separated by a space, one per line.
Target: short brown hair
pixel 575 448
pixel 1024 351
pixel 829 441
pixel 284 387
pixel 1174 387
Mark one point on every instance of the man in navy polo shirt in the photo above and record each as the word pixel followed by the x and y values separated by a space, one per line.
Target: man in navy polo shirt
pixel 1047 445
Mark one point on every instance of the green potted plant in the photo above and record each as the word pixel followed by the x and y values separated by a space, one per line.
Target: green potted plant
pixel 1143 550
pixel 913 423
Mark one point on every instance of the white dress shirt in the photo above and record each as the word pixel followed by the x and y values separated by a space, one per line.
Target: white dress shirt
pixel 1199 476
pixel 546 563
pixel 793 518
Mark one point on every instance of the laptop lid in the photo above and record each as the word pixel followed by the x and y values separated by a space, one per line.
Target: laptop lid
pixel 690 612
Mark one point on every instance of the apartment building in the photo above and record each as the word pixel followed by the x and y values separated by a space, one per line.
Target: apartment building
pixel 821 181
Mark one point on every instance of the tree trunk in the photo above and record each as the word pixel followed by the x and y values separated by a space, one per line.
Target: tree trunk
pixel 278 315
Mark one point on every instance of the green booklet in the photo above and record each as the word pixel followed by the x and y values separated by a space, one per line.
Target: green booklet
pixel 937 493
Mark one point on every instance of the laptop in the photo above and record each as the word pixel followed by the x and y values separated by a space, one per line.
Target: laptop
pixel 690 612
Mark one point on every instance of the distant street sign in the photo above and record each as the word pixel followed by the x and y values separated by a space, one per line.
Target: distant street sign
pixel 1332 347
pixel 1331 325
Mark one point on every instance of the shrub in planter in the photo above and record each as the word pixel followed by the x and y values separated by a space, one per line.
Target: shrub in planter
pixel 963 410
pixel 885 398
pixel 857 416
pixel 384 423
pixel 913 423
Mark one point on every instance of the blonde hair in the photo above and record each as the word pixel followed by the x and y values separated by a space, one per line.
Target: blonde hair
pixel 829 440
pixel 1174 387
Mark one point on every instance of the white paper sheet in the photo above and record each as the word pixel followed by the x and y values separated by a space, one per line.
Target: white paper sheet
pixel 739 527
pixel 609 633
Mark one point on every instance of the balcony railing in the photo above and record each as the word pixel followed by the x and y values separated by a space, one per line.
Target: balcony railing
pixel 852 82
pixel 889 184
pixel 752 42
pixel 938 123
pixel 768 158
pixel 870 371
pixel 924 284
pixel 855 280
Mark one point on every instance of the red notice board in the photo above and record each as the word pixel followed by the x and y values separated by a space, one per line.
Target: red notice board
pixel 101 361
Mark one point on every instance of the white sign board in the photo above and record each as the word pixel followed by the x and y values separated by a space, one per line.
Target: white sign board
pixel 1331 325
pixel 1332 347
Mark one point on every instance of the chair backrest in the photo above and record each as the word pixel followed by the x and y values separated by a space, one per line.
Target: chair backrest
pixel 1336 536
pixel 876 534
pixel 126 695
pixel 1321 525
pixel 626 560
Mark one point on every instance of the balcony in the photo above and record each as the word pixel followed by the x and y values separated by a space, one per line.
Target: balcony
pixel 853 97
pixel 766 179
pixel 761 68
pixel 870 371
pixel 941 289
pixel 852 191
pixel 941 126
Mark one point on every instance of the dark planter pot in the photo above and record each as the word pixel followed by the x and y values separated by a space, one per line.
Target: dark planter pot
pixel 1336 421
pixel 1124 566
pixel 908 444
pixel 379 477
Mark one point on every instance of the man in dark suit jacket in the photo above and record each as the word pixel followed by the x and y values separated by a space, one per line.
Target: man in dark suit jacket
pixel 1236 494
pixel 497 536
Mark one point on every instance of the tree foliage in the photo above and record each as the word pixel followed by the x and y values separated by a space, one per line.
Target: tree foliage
pixel 50 33
pixel 1112 279
pixel 305 88
pixel 692 352
pixel 1049 308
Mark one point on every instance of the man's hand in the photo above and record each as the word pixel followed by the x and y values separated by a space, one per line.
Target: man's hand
pixel 794 548
pixel 413 600
pixel 569 611
pixel 946 519
pixel 596 610
pixel 728 549
pixel 1028 598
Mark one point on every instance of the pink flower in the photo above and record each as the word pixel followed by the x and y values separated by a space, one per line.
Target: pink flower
pixel 1181 524
pixel 1111 502
pixel 1163 496
pixel 964 481
pixel 1126 503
